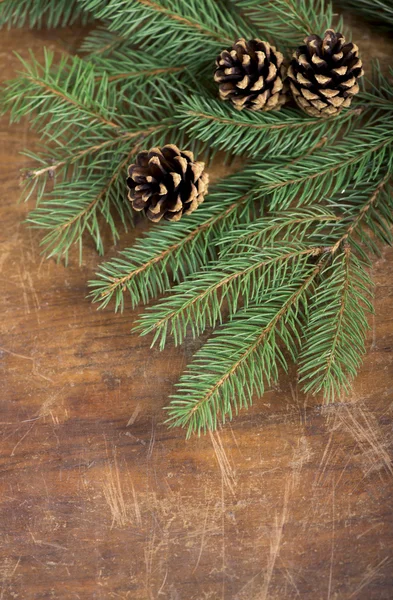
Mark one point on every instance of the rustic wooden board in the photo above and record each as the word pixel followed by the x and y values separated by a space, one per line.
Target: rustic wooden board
pixel 99 500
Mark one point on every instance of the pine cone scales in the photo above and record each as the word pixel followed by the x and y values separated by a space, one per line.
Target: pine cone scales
pixel 250 75
pixel 166 182
pixel 323 74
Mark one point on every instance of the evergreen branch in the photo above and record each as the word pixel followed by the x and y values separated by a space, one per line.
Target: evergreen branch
pixel 364 213
pixel 190 22
pixel 169 26
pixel 89 150
pixel 183 247
pixel 265 231
pixel 73 209
pixel 366 216
pixel 198 301
pixel 101 42
pixel 336 315
pixel 379 91
pixel 144 79
pixel 337 326
pixel 328 170
pixel 287 131
pixel 288 21
pixel 241 358
pixel 67 96
pixel 378 11
pixel 142 73
pixel 48 13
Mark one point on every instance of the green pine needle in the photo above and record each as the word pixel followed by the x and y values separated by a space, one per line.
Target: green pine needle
pixel 276 260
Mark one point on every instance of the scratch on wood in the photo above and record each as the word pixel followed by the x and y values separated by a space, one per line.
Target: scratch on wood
pixel 7 572
pixel 301 455
pixel 345 467
pixel 290 579
pixel 134 415
pixel 324 461
pixel 369 529
pixel 275 543
pixel 163 584
pixel 332 550
pixel 296 401
pixel 152 440
pixel 223 535
pixel 34 366
pixel 50 403
pixel 25 297
pixel 114 496
pixel 227 472
pixel 365 430
pixel 202 539
pixel 22 438
pixel 138 516
pixel 371 574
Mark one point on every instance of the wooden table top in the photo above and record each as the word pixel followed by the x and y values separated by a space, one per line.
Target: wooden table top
pixel 99 500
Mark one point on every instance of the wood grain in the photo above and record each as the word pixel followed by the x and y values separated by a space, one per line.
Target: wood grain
pixel 99 500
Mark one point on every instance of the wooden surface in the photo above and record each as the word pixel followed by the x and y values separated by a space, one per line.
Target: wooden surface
pixel 99 500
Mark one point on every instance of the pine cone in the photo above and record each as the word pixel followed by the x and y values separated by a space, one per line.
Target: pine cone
pixel 323 74
pixel 250 75
pixel 166 182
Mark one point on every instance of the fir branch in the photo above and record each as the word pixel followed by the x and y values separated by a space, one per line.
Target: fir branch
pixel 330 168
pixel 182 247
pixel 368 215
pixel 77 109
pixel 67 95
pixel 379 90
pixel 241 359
pixel 73 209
pixel 335 313
pixel 81 154
pixel 48 13
pixel 284 132
pixel 378 11
pixel 337 326
pixel 300 224
pixel 101 42
pixel 199 301
pixel 165 27
pixel 144 79
pixel 288 21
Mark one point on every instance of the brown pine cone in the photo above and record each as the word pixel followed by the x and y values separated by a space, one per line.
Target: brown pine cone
pixel 250 75
pixel 323 74
pixel 166 182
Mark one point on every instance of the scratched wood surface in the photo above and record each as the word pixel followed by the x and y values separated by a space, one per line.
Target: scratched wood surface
pixel 98 500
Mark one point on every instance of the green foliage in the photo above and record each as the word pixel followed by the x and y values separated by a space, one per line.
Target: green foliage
pixel 183 247
pixel 193 33
pixel 247 132
pixel 276 259
pixel 95 126
pixel 328 169
pixel 336 328
pixel 48 13
pixel 380 11
pixel 242 358
pixel 287 22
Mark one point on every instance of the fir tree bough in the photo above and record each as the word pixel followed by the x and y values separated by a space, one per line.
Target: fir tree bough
pixel 277 258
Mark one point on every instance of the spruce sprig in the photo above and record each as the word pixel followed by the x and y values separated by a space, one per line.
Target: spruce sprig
pixel 276 260
pixel 378 11
pixel 48 13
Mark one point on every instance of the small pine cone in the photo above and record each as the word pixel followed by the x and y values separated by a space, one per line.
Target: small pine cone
pixel 323 74
pixel 166 182
pixel 250 75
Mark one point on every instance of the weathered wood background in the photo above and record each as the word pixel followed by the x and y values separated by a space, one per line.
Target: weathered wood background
pixel 99 500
